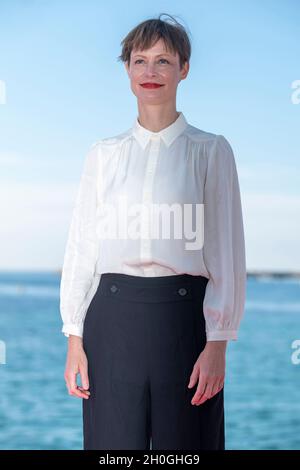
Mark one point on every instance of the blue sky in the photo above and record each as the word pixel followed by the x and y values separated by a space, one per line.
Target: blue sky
pixel 65 89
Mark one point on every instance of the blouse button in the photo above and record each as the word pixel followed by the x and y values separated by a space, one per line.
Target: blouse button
pixel 113 288
pixel 182 291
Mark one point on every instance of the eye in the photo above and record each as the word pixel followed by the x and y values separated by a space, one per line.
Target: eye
pixel 138 60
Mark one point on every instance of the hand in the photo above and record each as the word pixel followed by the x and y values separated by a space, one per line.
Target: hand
pixel 210 370
pixel 76 363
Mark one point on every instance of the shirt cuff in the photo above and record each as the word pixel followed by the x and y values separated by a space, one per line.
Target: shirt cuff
pixel 219 335
pixel 73 329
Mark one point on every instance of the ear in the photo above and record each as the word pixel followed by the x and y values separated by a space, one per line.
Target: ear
pixel 127 68
pixel 185 70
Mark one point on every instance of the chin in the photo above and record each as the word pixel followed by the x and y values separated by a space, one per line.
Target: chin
pixel 144 100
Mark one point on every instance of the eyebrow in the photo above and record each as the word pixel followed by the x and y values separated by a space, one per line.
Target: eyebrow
pixel 157 55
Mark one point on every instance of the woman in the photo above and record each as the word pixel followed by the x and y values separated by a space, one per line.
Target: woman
pixel 148 317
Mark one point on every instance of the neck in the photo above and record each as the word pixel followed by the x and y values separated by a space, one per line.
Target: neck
pixel 155 118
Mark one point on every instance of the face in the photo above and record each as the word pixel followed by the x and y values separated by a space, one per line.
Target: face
pixel 155 65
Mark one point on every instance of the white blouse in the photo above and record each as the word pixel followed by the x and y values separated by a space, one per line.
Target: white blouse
pixel 180 164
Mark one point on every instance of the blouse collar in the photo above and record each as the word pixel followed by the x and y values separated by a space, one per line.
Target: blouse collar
pixel 168 134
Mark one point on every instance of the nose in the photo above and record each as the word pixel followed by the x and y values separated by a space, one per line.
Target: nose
pixel 150 69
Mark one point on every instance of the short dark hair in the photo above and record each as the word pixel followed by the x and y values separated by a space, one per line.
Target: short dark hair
pixel 147 33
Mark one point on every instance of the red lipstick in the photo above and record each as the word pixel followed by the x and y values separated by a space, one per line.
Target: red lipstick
pixel 151 85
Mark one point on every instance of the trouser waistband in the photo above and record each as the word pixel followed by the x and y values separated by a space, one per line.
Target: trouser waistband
pixel 175 287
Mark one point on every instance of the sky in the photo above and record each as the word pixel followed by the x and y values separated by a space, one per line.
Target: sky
pixel 62 88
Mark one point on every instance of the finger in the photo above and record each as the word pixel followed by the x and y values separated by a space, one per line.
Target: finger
pixel 200 390
pixel 78 393
pixel 209 389
pixel 73 388
pixel 203 399
pixel 67 380
pixel 221 385
pixel 84 377
pixel 216 388
pixel 72 381
pixel 194 376
pixel 206 395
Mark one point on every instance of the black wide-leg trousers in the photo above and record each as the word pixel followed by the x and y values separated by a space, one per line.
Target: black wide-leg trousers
pixel 142 337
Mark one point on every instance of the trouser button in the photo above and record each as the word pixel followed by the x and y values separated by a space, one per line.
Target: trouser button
pixel 182 291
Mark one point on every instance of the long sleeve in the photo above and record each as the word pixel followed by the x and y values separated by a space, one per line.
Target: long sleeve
pixel 78 271
pixel 224 245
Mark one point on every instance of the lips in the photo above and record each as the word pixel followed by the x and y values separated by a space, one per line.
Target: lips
pixel 151 85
